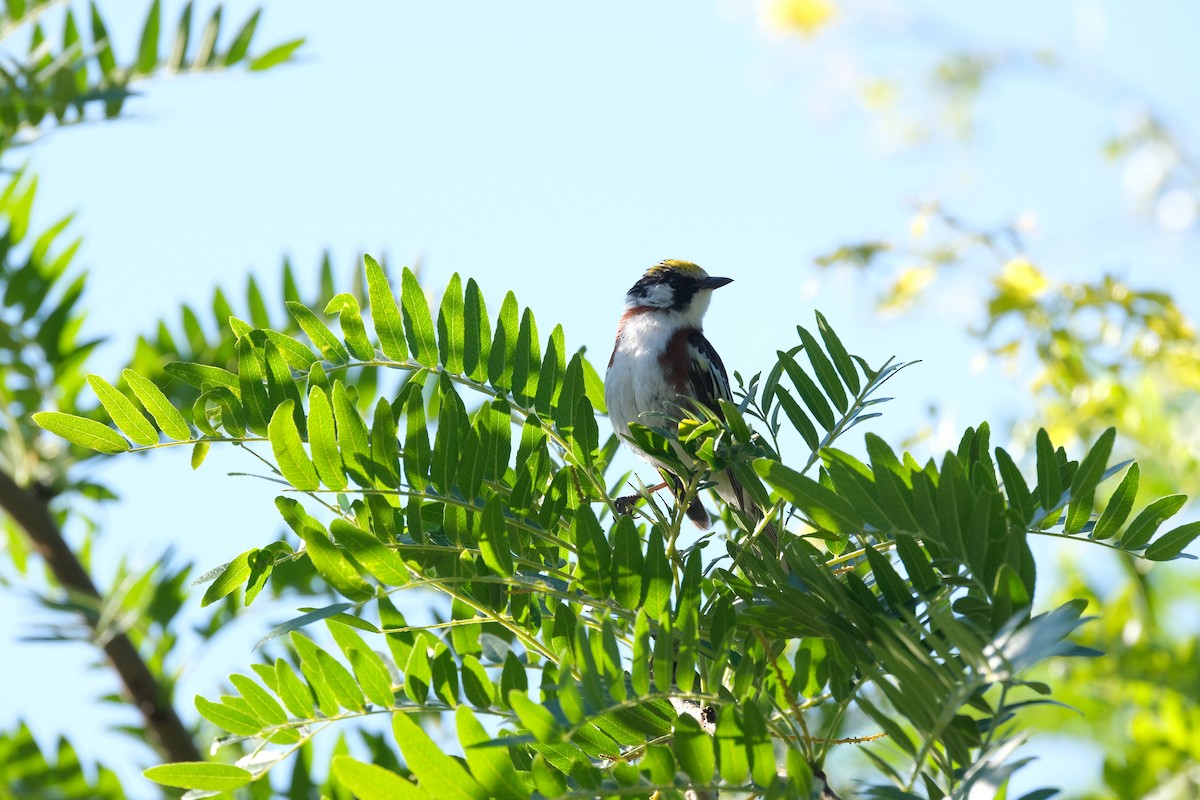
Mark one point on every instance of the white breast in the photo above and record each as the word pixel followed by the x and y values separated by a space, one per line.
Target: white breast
pixel 634 388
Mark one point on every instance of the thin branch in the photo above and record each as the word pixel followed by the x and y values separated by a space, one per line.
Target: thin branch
pixel 30 509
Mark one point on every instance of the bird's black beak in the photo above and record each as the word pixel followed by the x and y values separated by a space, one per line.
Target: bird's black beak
pixel 714 282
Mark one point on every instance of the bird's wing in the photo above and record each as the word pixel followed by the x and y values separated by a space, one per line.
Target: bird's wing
pixel 707 378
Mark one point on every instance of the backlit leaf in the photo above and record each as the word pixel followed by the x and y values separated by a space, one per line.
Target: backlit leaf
pixel 124 413
pixel 81 431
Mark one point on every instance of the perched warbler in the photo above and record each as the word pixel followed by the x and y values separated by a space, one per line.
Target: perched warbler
pixel 662 363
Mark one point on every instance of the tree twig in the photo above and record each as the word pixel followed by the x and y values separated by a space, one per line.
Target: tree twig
pixel 31 511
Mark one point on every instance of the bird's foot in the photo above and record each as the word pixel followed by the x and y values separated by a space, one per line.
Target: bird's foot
pixel 624 505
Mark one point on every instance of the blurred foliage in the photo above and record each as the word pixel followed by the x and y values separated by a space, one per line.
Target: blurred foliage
pixel 1095 351
pixel 67 72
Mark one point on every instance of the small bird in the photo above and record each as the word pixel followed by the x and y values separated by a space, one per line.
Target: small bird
pixel 662 362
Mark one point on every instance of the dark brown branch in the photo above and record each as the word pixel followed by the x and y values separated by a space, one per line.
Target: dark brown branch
pixel 31 511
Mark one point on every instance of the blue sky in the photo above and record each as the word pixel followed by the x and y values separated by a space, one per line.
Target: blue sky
pixel 559 151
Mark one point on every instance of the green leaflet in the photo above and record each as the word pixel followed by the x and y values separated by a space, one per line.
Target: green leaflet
pixel 124 413
pixel 328 560
pixel 352 438
pixel 318 333
pixel 418 674
pixel 309 665
pixel 379 560
pixel 294 693
pixel 452 428
pixel 1049 477
pixel 384 313
pixel 373 782
pixel 493 538
pixel 451 330
pixel 168 418
pixel 827 509
pixel 837 351
pixel 627 563
pixel 416 438
pixel 807 390
pixel 798 418
pixel 322 440
pixel 1119 505
pixel 264 706
pixel 255 402
pixel 81 431
pixel 535 718
pixel 694 750
pixel 282 386
pixel 296 354
pixel 437 773
pixel 233 575
pixel 477 334
pixel 372 676
pixel 1148 521
pixel 147 57
pixel 1170 545
pixel 226 716
pixel 385 450
pixel 345 689
pixel 527 361
pixel 1083 485
pixel 354 332
pixel 491 766
pixel 289 452
pixel 418 324
pixel 824 369
pixel 554 365
pixel 656 581
pixel 203 776
pixel 595 557
pixel 642 654
pixel 444 674
pixel 504 345
pixel 763 766
pixel 199 452
pixel 477 686
pixel 202 376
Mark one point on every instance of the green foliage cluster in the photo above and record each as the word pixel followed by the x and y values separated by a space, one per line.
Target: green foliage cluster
pixel 61 78
pixel 610 654
pixel 28 772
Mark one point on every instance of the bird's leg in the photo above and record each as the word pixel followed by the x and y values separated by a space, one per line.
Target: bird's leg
pixel 624 505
